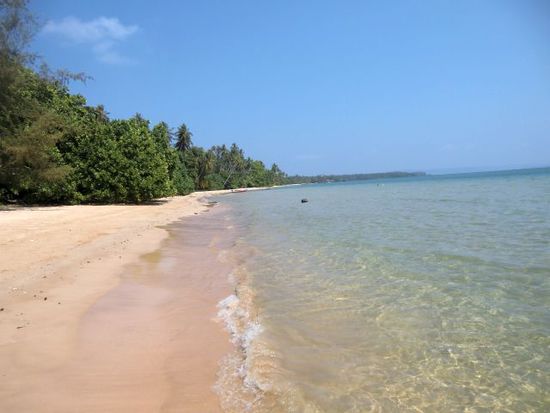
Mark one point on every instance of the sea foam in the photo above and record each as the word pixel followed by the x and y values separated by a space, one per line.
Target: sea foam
pixel 237 386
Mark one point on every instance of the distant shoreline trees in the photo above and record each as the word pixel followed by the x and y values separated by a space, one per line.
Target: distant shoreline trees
pixel 297 179
pixel 54 148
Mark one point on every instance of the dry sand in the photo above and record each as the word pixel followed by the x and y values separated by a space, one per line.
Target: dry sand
pixel 89 323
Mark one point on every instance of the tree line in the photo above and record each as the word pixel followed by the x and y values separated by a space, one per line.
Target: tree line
pixel 298 179
pixel 54 148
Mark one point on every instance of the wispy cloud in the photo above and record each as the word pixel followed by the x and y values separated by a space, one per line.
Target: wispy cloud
pixel 101 34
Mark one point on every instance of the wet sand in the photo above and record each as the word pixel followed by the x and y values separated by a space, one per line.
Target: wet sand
pixel 103 311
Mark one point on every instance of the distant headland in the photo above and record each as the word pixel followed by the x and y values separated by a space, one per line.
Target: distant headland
pixel 298 179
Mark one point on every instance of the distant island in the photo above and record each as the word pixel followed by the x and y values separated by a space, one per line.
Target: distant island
pixel 297 179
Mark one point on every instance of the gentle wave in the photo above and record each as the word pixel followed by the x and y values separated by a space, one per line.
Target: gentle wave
pixel 238 388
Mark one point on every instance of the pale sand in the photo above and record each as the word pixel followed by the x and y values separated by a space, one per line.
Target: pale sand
pixel 87 325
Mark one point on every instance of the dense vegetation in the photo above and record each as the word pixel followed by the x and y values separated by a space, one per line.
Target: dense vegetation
pixel 54 148
pixel 352 177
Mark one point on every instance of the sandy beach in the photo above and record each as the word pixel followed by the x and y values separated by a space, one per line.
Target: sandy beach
pixel 96 316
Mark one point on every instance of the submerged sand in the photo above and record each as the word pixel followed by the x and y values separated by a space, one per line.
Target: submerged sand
pixel 96 317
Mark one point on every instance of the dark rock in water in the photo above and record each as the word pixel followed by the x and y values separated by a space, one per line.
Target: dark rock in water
pixel 304 200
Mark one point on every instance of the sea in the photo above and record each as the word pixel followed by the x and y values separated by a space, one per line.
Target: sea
pixel 418 294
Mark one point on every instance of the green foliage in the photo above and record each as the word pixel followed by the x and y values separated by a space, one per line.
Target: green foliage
pixel 182 182
pixel 56 149
pixel 179 181
pixel 141 172
pixel 183 136
pixel 32 167
pixel 231 169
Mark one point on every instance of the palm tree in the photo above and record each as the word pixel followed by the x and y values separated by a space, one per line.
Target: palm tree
pixel 206 165
pixel 183 136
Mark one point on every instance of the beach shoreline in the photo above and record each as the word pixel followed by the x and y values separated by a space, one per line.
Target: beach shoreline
pixel 76 331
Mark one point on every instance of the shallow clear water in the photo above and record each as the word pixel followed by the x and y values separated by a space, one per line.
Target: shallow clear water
pixel 419 294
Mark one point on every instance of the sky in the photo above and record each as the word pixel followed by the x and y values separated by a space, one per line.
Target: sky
pixel 321 87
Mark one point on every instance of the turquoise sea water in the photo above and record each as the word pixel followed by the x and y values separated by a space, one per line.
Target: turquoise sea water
pixel 427 294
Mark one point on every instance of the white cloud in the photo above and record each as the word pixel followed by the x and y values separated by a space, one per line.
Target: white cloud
pixel 102 34
pixel 105 53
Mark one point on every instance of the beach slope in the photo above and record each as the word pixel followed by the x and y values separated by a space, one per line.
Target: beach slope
pixel 94 319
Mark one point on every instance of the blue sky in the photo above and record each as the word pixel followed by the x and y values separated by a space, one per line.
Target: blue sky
pixel 318 86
